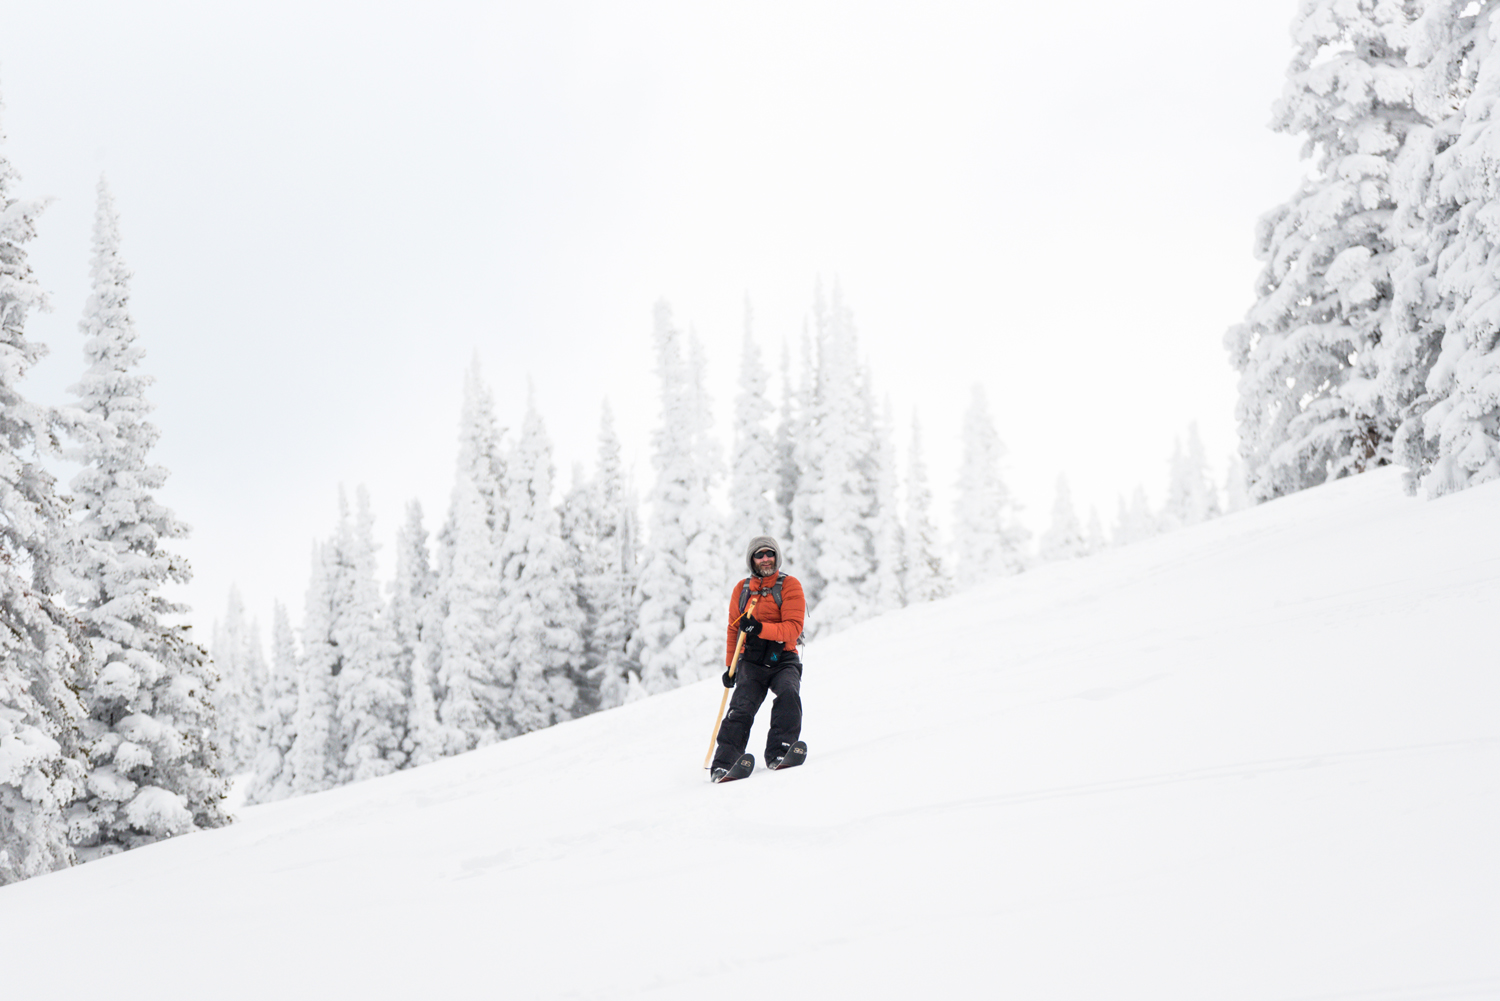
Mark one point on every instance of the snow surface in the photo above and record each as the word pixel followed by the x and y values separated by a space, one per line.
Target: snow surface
pixel 1258 758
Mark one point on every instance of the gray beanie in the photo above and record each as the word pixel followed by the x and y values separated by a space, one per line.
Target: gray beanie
pixel 758 543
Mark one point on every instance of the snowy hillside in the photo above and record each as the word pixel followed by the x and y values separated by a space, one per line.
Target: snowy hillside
pixel 1256 759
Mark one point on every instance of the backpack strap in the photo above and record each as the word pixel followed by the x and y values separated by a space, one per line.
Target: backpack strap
pixel 745 591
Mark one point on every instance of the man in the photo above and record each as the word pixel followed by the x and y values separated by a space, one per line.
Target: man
pixel 769 661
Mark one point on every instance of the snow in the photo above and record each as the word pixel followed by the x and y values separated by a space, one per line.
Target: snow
pixel 1258 758
pixel 156 809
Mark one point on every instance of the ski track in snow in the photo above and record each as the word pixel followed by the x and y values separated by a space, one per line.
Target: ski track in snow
pixel 1256 759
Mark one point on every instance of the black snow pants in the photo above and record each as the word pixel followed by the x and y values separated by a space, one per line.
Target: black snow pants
pixel 751 682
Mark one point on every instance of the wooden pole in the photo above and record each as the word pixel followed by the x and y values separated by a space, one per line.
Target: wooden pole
pixel 739 647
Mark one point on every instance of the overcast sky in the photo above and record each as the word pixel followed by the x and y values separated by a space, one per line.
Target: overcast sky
pixel 331 207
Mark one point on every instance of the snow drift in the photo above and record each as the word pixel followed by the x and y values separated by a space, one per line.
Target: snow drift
pixel 1258 758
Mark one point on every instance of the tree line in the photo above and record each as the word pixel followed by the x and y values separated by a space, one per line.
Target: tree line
pixel 117 729
pixel 519 614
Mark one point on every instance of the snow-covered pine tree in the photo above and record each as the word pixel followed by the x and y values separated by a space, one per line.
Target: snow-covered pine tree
pixel 40 767
pixel 710 562
pixel 239 695
pixel 1462 425
pixel 601 529
pixel 351 707
pixel 148 737
pixel 754 485
pixel 1174 510
pixel 471 684
pixel 629 547
pixel 1095 542
pixel 1310 406
pixel 801 557
pixel 372 694
pixel 577 520
pixel 1123 533
pixel 1142 519
pixel 540 621
pixel 315 757
pixel 1192 496
pixel 412 592
pixel 1203 493
pixel 1135 522
pixel 1445 48
pixel 1063 539
pixel 620 671
pixel 924 580
pixel 841 497
pixel 889 542
pixel 988 540
pixel 481 455
pixel 665 586
pixel 788 432
pixel 273 764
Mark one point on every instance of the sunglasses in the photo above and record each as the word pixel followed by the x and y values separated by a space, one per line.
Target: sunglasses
pixel 766 554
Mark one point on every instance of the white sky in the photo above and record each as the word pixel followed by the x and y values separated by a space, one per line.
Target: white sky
pixel 331 207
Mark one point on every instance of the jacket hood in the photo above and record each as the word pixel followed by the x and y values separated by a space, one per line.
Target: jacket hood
pixel 762 542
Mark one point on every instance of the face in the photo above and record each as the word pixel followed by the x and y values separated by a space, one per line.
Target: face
pixel 765 562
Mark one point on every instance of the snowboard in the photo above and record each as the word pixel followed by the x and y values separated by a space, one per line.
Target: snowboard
pixel 795 755
pixel 741 768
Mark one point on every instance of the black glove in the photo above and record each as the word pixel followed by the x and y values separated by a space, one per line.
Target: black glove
pixel 728 679
pixel 750 626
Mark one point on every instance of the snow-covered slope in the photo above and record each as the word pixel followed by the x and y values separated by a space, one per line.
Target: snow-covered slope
pixel 1255 759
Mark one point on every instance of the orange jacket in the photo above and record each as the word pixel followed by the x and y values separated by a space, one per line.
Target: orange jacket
pixel 782 625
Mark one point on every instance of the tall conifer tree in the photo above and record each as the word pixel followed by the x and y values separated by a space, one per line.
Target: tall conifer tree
pixel 273 765
pixel 315 753
pixel 600 527
pixel 888 543
pixel 1445 48
pixel 709 562
pixel 153 767
pixel 925 578
pixel 788 432
pixel 1461 427
pixel 1311 407
pixel 1135 522
pixel 372 694
pixel 40 771
pixel 805 464
pixel 665 586
pixel 988 540
pixel 1063 539
pixel 412 594
pixel 540 621
pixel 238 696
pixel 1192 495
pixel 840 470
pixel 1095 540
pixel 753 482
pixel 472 684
